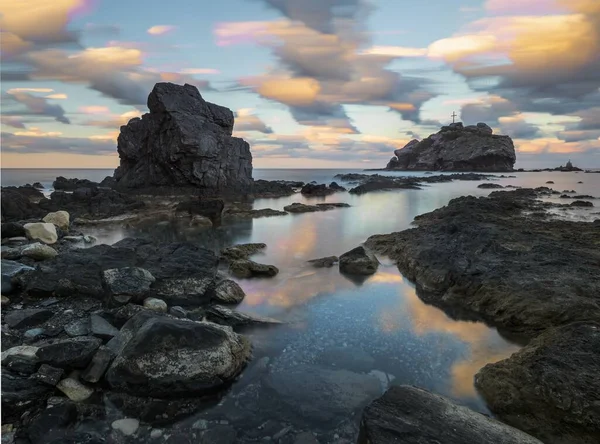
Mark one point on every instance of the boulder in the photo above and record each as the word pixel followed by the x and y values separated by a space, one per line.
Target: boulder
pixel 127 426
pixel 228 292
pixel 273 188
pixel 98 365
pixel 9 270
pixel 581 203
pixel 324 262
pixel 75 390
pixel 155 304
pixel 320 190
pixel 234 318
pixel 128 281
pixel 101 328
pixel 12 229
pixel 39 252
pixel 456 148
pixel 27 317
pixel 298 207
pixel 68 353
pixel 62 183
pixel 410 415
pixel 163 357
pixel 48 374
pixel 183 144
pixel 44 232
pixel 550 388
pixel 242 251
pixel 184 291
pixel 359 262
pixel 17 205
pixel 489 185
pixel 58 218
pixel 22 358
pixel 244 268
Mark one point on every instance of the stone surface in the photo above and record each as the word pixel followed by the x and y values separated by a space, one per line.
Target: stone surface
pixel 488 256
pixel 48 374
pixel 62 183
pixel 101 328
pixel 128 281
pixel 410 415
pixel 163 357
pixel 75 390
pixel 273 188
pixel 58 218
pixel 68 353
pixel 98 365
pixel 244 268
pixel 321 190
pixel 234 318
pixel 183 143
pixel 79 327
pixel 358 261
pixel 242 251
pixel 21 358
pixel 17 204
pixel 550 388
pixel 581 203
pixel 127 426
pixel 489 185
pixel 5 300
pixel 155 304
pixel 44 232
pixel 27 317
pixel 320 394
pixel 9 270
pixel 298 207
pixel 457 148
pixel 20 394
pixel 228 292
pixel 12 229
pixel 39 252
pixel 187 292
pixel 324 262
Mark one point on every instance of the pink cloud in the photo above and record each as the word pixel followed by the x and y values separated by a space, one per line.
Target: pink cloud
pixel 94 109
pixel 160 29
pixel 235 33
pixel 524 7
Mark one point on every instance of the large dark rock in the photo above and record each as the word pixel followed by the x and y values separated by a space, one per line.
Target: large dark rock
pixel 11 270
pixel 410 415
pixel 272 188
pixel 358 261
pixel 298 207
pixel 320 190
pixel 68 353
pixel 12 229
pixel 210 208
pixel 184 144
pixel 20 394
pixel 162 357
pixel 551 387
pixel 487 255
pixel 18 205
pixel 27 317
pixel 457 148
pixel 244 268
pixel 64 184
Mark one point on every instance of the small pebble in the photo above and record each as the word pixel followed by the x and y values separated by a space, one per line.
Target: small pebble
pixel 127 426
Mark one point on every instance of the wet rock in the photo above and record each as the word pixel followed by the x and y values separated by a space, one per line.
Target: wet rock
pixel 247 269
pixel 228 292
pixel 489 185
pixel 128 281
pixel 178 312
pixel 52 423
pixel 413 416
pixel 233 318
pixel 550 387
pixel 27 317
pixel 79 327
pixel 184 291
pixel 12 229
pixel 324 262
pixel 298 207
pixel 155 304
pixel 20 394
pixel 220 434
pixel 9 270
pixel 22 358
pixel 242 251
pixel 305 438
pixel 68 353
pixel 359 262
pixel 582 203
pixel 62 183
pixel 209 160
pixel 75 390
pixel 272 188
pixel 39 252
pixel 48 374
pixel 98 365
pixel 320 190
pixel 195 357
pixel 44 232
pixel 348 358
pixel 101 328
pixel 127 426
pixel 208 208
pixel 120 315
pixel 320 394
pixel 239 213
pixel 17 205
pixel 58 218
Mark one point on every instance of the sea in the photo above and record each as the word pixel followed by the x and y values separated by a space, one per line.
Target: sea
pixel 375 326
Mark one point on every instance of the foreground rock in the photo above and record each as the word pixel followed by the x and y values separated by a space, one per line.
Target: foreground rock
pixel 410 415
pixel 551 387
pixel 324 262
pixel 320 190
pixel 165 357
pixel 244 268
pixel 488 256
pixel 17 204
pixel 58 218
pixel 273 188
pixel 234 318
pixel 298 207
pixel 183 144
pixel 242 251
pixel 457 148
pixel 44 232
pixel 358 261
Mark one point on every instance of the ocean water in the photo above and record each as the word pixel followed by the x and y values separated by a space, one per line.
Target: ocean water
pixel 380 317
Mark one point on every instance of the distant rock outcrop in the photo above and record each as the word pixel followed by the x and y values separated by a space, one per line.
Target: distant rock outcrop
pixel 457 148
pixel 183 145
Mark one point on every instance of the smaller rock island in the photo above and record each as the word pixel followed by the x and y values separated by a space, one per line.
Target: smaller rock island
pixel 457 148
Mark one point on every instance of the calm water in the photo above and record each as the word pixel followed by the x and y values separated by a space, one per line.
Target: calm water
pixel 382 318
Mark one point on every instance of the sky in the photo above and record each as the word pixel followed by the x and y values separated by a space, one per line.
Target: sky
pixel 312 83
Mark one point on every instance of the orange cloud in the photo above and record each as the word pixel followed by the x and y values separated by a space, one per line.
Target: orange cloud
pixel 193 71
pixel 58 96
pixel 94 109
pixel 160 29
pixel 291 91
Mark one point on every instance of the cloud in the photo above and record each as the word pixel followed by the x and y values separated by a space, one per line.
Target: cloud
pixel 38 90
pixel 36 142
pixel 13 121
pixel 58 96
pixel 112 121
pixel 489 109
pixel 195 71
pixel 38 106
pixel 94 109
pixel 246 121
pixel 161 29
pixel 396 51
pixel 517 128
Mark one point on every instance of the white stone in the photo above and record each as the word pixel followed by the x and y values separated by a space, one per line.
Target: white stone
pixel 75 390
pixel 39 252
pixel 44 232
pixel 5 300
pixel 155 304
pixel 58 218
pixel 156 433
pixel 23 351
pixel 127 426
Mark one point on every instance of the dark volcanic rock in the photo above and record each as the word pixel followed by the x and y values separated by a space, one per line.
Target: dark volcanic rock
pixel 18 206
pixel 358 261
pixel 239 213
pixel 488 256
pixel 321 190
pixel 10 271
pixel 324 262
pixel 64 184
pixel 28 317
pixel 98 365
pixel 233 318
pixel 581 203
pixel 184 144
pixel 272 188
pixel 48 374
pixel 410 415
pixel 68 353
pixel 490 185
pixel 172 358
pixel 242 251
pixel 20 394
pixel 378 183
pixel 551 387
pixel 12 229
pixel 298 207
pixel 457 148
pixel 244 268
pixel 210 208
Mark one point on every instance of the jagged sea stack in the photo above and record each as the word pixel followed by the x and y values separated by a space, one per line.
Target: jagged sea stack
pixel 183 146
pixel 457 148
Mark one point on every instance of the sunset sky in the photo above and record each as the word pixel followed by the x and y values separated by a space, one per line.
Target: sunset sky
pixel 313 83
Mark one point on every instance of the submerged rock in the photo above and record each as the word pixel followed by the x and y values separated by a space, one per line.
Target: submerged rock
pixel 550 388
pixel 242 251
pixel 324 262
pixel 273 188
pixel 489 185
pixel 298 207
pixel 165 357
pixel 243 268
pixel 183 144
pixel 457 148
pixel 228 292
pixel 234 318
pixel 359 262
pixel 410 415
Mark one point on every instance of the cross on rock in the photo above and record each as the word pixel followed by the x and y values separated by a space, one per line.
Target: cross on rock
pixel 453 116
